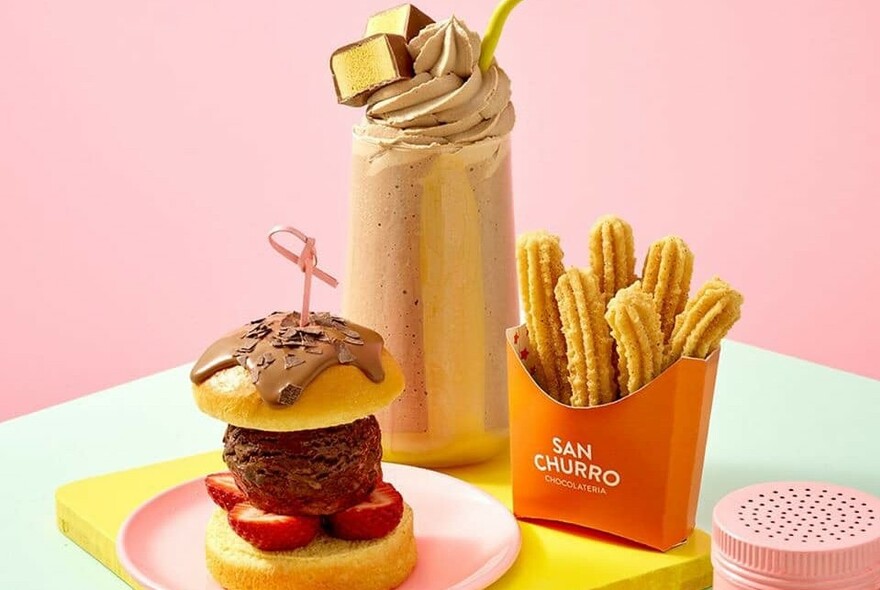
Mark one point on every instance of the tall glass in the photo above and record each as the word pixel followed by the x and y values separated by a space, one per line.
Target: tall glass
pixel 431 267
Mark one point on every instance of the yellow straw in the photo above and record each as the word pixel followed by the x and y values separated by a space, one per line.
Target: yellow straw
pixel 493 32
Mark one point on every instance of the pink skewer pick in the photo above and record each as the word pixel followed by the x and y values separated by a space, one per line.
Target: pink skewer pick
pixel 307 262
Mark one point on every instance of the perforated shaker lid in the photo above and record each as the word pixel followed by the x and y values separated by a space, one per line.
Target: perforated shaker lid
pixel 798 531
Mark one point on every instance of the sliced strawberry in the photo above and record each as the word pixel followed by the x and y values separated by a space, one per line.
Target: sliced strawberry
pixel 224 491
pixel 375 517
pixel 272 532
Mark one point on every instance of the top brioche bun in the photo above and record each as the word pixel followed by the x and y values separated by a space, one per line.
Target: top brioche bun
pixel 338 395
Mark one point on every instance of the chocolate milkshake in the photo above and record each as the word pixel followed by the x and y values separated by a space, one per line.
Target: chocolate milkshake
pixel 431 246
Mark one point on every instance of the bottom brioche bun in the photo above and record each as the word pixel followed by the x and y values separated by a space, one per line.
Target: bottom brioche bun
pixel 326 563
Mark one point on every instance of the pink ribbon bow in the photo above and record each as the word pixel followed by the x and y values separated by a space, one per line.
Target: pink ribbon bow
pixel 307 262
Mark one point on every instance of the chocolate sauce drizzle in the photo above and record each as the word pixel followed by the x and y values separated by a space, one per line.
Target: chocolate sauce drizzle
pixel 283 358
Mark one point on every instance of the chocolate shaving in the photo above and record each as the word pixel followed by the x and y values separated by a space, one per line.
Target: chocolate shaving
pixel 283 335
pixel 323 319
pixel 349 332
pixel 314 350
pixel 246 348
pixel 289 394
pixel 255 371
pixel 291 361
pixel 355 341
pixel 257 332
pixel 292 338
pixel 344 354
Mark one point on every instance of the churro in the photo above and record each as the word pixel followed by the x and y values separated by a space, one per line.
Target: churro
pixel 612 254
pixel 539 259
pixel 667 277
pixel 587 338
pixel 706 319
pixel 635 327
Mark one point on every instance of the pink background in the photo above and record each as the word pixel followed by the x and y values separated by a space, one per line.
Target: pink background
pixel 146 147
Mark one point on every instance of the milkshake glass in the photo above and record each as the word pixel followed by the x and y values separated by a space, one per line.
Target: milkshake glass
pixel 431 263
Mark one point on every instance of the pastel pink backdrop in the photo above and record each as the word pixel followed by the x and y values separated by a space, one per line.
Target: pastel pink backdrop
pixel 147 147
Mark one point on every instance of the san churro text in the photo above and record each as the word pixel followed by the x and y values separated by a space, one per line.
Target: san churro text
pixel 576 460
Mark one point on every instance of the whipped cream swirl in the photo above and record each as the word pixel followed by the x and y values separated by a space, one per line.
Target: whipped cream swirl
pixel 450 100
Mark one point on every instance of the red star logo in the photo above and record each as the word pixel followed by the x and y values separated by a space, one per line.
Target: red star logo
pixel 524 354
pixel 516 338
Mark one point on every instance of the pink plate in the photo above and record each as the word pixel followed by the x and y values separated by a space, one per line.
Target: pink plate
pixel 466 539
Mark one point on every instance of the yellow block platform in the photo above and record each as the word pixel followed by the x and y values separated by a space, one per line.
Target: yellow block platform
pixel 91 512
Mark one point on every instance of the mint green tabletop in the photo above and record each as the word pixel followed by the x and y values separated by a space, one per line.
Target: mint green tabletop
pixel 774 418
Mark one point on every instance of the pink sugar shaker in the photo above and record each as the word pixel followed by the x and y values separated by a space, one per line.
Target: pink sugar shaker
pixel 796 536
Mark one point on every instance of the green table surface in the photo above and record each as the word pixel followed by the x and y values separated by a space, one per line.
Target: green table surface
pixel 774 418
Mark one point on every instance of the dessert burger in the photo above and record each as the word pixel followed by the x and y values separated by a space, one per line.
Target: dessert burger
pixel 304 504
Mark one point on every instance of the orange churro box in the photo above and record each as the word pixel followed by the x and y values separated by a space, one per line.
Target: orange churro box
pixel 631 468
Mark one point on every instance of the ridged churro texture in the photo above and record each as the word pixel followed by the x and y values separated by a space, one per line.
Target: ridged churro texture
pixel 667 278
pixel 635 327
pixel 602 333
pixel 587 338
pixel 539 261
pixel 706 319
pixel 612 254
